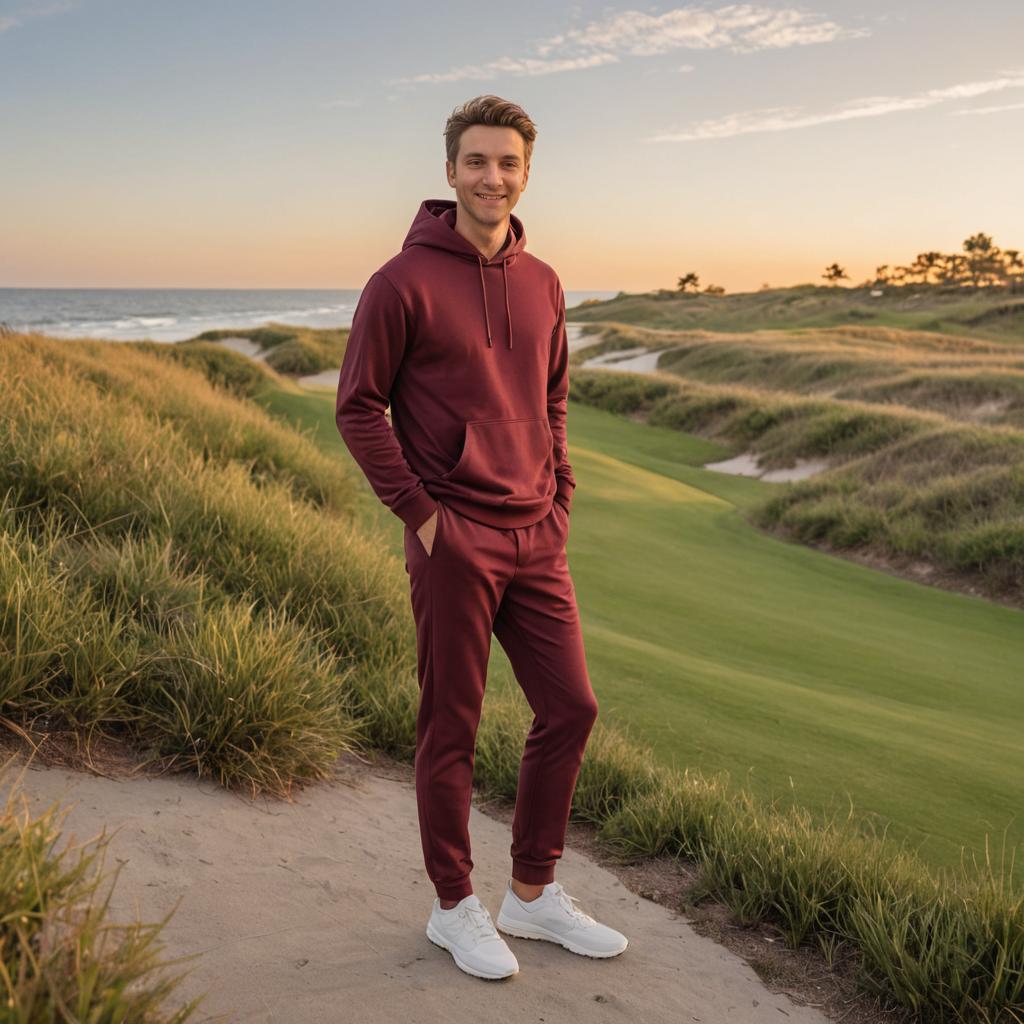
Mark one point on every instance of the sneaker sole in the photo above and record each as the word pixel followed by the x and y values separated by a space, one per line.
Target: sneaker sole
pixel 537 932
pixel 438 940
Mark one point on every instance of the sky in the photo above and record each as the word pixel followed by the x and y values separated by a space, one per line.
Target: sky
pixel 289 143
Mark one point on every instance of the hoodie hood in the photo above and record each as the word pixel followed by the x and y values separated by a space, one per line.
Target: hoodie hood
pixel 434 226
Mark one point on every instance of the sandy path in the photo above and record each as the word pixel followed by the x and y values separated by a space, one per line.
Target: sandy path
pixel 245 346
pixel 315 911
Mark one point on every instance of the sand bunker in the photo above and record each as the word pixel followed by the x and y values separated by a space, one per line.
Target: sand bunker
pixel 324 379
pixel 639 360
pixel 576 338
pixel 747 465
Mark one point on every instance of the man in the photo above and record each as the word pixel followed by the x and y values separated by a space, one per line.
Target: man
pixel 463 334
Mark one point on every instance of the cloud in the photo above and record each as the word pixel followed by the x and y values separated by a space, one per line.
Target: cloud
pixel 36 10
pixel 343 103
pixel 741 28
pixel 989 110
pixel 512 66
pixel 781 119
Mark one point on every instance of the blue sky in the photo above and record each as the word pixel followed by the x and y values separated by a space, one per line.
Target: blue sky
pixel 288 144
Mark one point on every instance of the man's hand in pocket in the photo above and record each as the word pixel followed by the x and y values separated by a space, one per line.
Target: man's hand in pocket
pixel 426 533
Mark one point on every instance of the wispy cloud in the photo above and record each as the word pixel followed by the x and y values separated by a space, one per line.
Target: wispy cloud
pixel 989 110
pixel 741 28
pixel 783 119
pixel 29 11
pixel 343 103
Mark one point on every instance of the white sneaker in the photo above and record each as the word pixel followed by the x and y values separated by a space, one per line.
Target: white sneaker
pixel 552 916
pixel 467 932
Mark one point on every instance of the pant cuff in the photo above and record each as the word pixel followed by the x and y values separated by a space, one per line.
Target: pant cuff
pixel 455 891
pixel 531 874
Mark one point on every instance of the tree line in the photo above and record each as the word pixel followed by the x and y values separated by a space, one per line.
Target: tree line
pixel 981 264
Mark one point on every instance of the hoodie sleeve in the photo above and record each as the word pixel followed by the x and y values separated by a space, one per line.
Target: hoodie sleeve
pixel 376 345
pixel 558 393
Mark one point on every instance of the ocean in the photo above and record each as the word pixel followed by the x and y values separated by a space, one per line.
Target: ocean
pixel 173 314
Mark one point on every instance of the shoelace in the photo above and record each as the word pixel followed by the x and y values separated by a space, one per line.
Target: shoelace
pixel 567 901
pixel 479 920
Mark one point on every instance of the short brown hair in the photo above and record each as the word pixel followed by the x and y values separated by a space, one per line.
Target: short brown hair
pixel 491 110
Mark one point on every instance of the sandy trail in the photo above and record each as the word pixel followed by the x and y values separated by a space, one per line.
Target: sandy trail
pixel 245 346
pixel 315 911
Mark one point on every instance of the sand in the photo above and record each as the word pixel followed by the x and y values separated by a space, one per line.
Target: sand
pixel 747 464
pixel 246 346
pixel 324 379
pixel 638 359
pixel 315 911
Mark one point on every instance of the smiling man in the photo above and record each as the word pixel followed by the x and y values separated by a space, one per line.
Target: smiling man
pixel 463 334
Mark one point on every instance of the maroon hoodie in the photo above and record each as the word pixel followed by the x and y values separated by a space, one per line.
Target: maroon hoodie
pixel 472 356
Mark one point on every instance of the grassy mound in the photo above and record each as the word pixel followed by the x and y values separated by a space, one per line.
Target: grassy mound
pixel 294 351
pixel 986 312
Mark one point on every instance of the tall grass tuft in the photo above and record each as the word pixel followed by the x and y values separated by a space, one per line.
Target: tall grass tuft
pixel 61 957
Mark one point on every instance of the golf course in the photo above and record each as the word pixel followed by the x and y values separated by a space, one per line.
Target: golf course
pixel 807 677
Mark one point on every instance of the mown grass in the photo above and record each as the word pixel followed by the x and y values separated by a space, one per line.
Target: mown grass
pixel 207 595
pixel 906 484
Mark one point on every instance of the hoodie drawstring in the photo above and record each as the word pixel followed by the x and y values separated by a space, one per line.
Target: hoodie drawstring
pixel 483 290
pixel 508 312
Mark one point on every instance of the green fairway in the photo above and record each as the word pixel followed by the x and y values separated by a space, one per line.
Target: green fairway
pixel 807 677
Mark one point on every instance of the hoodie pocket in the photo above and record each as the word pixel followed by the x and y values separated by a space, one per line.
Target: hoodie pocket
pixel 506 462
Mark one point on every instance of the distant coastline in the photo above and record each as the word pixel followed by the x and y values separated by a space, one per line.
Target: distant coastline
pixel 174 314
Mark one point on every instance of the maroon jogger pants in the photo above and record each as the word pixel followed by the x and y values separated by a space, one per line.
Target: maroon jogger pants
pixel 514 582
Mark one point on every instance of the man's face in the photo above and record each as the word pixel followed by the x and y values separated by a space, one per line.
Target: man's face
pixel 490 163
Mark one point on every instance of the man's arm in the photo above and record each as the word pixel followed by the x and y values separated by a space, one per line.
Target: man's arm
pixel 376 345
pixel 558 393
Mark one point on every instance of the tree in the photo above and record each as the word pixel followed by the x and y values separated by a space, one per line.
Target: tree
pixel 981 264
pixel 835 273
pixel 983 258
pixel 923 265
pixel 688 281
pixel 714 289
pixel 1014 267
